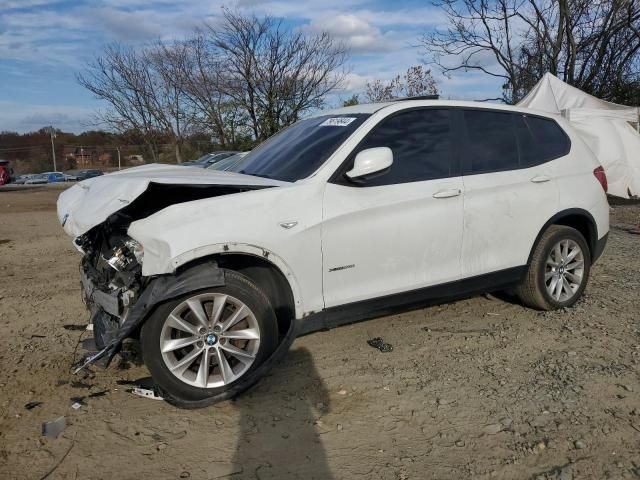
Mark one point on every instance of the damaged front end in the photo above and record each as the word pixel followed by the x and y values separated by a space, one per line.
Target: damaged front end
pixel 111 278
pixel 114 289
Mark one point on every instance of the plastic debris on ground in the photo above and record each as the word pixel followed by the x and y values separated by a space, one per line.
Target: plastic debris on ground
pixel 380 345
pixel 54 428
pixel 32 405
pixel 146 393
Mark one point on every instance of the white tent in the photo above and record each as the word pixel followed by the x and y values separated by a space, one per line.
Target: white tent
pixel 603 125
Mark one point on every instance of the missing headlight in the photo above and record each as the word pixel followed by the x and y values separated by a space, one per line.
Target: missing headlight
pixel 126 256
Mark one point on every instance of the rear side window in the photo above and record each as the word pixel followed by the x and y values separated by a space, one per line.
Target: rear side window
pixel 421 145
pixel 541 140
pixel 492 144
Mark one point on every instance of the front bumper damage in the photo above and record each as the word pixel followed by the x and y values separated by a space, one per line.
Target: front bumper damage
pixel 113 322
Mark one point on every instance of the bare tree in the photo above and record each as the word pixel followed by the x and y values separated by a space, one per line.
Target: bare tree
pixel 141 91
pixel 416 81
pixel 204 79
pixel 591 44
pixel 276 74
pixel 246 78
pixel 170 106
pixel 121 78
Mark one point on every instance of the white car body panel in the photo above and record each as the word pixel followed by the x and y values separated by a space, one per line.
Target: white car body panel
pixel 503 214
pixel 187 231
pixel 382 240
pixel 577 186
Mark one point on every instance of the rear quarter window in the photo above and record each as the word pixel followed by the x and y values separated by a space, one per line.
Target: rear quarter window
pixel 541 140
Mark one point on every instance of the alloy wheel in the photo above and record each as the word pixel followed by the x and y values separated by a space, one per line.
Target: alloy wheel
pixel 210 340
pixel 564 270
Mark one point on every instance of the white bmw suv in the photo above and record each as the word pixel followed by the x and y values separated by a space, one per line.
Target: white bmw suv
pixel 343 216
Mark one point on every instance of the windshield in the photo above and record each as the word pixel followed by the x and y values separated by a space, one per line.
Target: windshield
pixel 300 149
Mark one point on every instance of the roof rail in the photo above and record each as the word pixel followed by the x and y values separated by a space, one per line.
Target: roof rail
pixel 418 97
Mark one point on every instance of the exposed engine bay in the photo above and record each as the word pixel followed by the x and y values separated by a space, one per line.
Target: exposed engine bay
pixel 111 268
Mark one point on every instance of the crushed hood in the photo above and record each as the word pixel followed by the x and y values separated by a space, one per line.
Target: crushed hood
pixel 92 201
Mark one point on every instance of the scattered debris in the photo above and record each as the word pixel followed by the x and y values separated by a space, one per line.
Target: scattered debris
pixel 75 328
pixel 380 345
pixel 101 393
pixel 153 394
pixel 79 400
pixel 76 405
pixel 54 428
pixel 32 405
pixel 342 392
pixel 579 444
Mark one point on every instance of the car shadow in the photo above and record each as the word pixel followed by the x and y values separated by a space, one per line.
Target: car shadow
pixel 279 434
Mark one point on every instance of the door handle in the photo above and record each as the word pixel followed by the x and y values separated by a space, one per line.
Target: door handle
pixel 454 192
pixel 540 179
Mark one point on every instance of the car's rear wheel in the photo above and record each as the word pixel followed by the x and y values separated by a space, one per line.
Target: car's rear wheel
pixel 202 343
pixel 559 270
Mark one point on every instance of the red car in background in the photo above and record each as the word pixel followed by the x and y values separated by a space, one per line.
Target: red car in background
pixel 6 172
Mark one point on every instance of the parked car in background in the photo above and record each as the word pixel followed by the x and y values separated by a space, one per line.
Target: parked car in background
pixel 37 179
pixel 84 174
pixel 6 172
pixel 208 159
pixel 70 176
pixel 21 179
pixel 233 163
pixel 343 216
pixel 54 177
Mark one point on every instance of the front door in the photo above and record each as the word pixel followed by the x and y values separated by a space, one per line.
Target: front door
pixel 401 230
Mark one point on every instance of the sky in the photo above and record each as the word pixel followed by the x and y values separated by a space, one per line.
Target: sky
pixel 44 43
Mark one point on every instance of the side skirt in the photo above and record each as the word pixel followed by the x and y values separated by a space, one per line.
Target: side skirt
pixel 406 301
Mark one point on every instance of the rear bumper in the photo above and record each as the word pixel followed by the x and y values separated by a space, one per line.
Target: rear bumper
pixel 599 247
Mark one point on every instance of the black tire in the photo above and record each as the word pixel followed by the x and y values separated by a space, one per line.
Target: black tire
pixel 533 290
pixel 236 285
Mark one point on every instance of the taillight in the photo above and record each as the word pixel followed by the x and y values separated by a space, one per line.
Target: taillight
pixel 602 178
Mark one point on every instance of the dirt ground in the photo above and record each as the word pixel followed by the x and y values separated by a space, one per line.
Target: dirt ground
pixel 480 388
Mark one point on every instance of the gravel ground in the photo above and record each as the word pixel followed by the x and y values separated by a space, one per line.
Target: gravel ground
pixel 480 388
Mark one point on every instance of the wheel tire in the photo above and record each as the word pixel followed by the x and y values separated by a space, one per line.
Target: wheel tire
pixel 533 290
pixel 237 286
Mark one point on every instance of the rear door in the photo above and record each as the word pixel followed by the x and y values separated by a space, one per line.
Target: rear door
pixel 401 230
pixel 509 191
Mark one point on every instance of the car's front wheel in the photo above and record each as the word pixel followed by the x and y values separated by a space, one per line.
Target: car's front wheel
pixel 199 345
pixel 559 270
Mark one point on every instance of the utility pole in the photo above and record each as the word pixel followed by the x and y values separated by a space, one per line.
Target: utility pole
pixel 119 166
pixel 53 148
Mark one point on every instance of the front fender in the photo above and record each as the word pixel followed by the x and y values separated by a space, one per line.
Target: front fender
pixel 155 265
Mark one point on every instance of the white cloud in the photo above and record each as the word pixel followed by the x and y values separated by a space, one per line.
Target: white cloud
pixel 356 33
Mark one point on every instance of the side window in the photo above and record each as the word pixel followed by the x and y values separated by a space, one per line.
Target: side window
pixel 492 142
pixel 549 141
pixel 421 145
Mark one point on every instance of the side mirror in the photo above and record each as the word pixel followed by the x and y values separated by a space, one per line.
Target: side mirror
pixel 370 161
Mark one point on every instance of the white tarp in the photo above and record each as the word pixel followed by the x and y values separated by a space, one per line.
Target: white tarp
pixel 603 125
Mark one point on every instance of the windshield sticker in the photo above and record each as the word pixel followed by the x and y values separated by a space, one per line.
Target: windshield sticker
pixel 337 122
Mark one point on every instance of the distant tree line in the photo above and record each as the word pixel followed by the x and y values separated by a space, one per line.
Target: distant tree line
pixel 239 81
